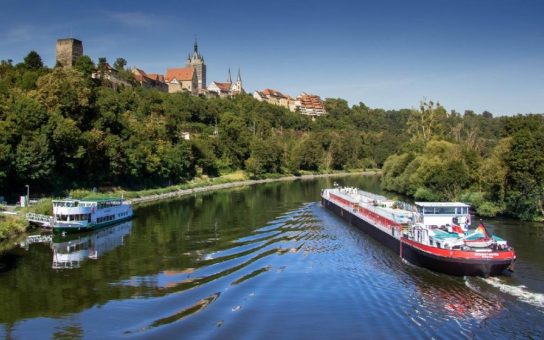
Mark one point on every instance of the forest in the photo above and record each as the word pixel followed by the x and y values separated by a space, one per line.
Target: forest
pixel 60 129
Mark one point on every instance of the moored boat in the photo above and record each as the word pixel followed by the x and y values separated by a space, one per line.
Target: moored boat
pixel 434 235
pixel 72 215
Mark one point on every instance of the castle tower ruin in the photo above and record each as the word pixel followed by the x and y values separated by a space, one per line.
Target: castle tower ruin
pixel 68 50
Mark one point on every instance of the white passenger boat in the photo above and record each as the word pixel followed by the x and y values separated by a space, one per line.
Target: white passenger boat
pixel 70 215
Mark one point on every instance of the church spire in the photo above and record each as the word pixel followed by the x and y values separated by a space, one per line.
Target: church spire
pixel 239 76
pixel 229 78
pixel 196 46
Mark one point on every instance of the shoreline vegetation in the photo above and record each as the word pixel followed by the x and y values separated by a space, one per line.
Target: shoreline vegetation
pixel 60 130
pixel 12 226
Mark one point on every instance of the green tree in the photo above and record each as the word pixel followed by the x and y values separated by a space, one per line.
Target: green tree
pixel 119 64
pixel 234 136
pixel 427 122
pixel 266 156
pixel 66 91
pixel 307 155
pixel 34 160
pixel 336 106
pixel 525 178
pixel 85 65
pixel 33 61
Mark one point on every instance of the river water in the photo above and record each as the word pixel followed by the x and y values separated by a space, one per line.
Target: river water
pixel 263 261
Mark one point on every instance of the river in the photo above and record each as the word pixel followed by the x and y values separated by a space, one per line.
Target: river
pixel 264 261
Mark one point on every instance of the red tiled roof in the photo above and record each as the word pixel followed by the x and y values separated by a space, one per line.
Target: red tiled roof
pixel 310 101
pixel 274 93
pixel 181 74
pixel 224 87
pixel 156 77
pixel 141 76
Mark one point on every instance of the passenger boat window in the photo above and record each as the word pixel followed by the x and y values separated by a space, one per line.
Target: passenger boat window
pixel 428 210
pixel 446 210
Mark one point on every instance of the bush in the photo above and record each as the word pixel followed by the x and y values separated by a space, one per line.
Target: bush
pixel 424 194
pixel 11 225
pixel 475 198
pixel 44 207
pixel 488 209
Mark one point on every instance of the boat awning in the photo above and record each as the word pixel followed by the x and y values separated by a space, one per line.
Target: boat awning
pixel 441 204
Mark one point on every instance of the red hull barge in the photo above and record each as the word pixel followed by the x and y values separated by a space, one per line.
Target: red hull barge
pixel 428 246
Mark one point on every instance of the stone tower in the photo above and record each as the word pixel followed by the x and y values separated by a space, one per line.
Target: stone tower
pixel 196 61
pixel 68 50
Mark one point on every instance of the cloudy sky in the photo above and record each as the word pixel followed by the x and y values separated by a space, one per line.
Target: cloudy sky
pixel 466 54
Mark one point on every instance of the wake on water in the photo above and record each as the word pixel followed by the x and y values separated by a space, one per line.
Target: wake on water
pixel 520 292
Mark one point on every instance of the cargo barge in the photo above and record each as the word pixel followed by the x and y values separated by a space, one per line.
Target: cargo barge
pixel 433 235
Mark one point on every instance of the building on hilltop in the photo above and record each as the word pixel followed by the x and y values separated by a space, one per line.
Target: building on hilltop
pixel 196 61
pixel 274 97
pixel 306 104
pixel 67 51
pixel 191 78
pixel 182 79
pixel 237 87
pixel 310 104
pixel 150 80
pixel 228 88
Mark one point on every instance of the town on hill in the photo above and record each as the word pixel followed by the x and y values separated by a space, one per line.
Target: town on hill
pixel 190 78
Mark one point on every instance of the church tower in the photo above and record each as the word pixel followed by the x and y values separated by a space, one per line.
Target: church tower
pixel 237 87
pixel 196 61
pixel 229 78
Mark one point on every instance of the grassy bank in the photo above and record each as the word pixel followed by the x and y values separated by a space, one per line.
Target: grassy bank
pixel 13 225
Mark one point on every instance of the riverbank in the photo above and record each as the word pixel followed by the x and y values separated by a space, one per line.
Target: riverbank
pixel 213 187
pixel 12 226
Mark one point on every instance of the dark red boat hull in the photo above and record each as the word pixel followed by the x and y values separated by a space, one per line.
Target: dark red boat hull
pixel 442 264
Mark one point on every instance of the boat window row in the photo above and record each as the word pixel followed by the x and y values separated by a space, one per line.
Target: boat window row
pixel 76 217
pixel 123 214
pixel 105 219
pixel 69 204
pixel 108 204
pixel 445 210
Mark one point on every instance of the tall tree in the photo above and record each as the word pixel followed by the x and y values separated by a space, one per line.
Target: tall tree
pixel 119 64
pixel 33 61
pixel 427 122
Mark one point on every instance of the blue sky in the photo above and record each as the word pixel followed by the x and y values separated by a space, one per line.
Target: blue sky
pixel 466 54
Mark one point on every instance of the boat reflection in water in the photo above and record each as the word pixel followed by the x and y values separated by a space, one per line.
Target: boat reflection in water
pixel 70 251
pixel 456 299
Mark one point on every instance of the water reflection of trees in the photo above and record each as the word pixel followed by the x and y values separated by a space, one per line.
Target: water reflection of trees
pixel 168 236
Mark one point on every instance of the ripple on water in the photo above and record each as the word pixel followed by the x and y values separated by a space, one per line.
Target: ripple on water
pixel 236 265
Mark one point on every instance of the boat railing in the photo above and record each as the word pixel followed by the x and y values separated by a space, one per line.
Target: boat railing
pixel 372 196
pixel 44 220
